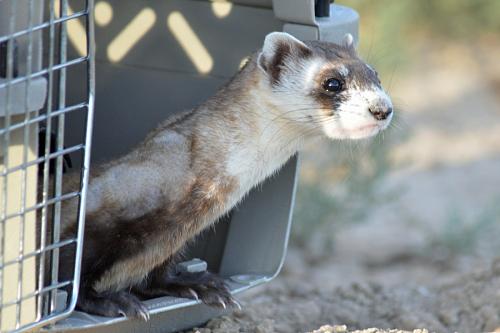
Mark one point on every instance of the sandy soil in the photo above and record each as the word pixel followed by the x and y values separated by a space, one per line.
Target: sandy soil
pixel 469 303
pixel 343 329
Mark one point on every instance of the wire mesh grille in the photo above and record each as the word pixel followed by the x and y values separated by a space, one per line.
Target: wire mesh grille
pixel 34 71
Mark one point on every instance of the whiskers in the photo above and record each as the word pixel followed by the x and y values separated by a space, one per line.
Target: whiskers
pixel 399 120
pixel 287 126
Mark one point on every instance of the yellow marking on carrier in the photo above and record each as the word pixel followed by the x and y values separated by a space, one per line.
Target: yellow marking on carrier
pixel 103 13
pixel 243 62
pixel 190 43
pixel 221 9
pixel 76 30
pixel 131 34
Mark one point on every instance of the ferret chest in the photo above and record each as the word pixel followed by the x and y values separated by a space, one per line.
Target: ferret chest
pixel 253 164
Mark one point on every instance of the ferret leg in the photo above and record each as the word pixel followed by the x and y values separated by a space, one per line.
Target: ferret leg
pixel 207 287
pixel 112 304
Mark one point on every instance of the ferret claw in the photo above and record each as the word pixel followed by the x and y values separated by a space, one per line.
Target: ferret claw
pixel 221 302
pixel 194 294
pixel 144 312
pixel 235 303
pixel 144 315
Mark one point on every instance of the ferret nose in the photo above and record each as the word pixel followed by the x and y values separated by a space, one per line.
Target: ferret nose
pixel 380 112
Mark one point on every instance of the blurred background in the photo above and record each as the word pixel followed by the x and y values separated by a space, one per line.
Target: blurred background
pixel 423 196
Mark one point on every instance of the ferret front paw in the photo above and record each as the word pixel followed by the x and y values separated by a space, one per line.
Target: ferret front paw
pixel 113 304
pixel 207 287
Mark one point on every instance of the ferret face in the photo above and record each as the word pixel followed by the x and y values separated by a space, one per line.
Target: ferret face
pixel 325 87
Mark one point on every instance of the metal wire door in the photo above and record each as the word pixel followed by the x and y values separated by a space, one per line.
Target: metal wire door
pixel 34 68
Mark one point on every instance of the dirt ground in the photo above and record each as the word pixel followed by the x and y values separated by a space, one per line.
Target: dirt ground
pixel 468 303
pixel 428 257
pixel 343 329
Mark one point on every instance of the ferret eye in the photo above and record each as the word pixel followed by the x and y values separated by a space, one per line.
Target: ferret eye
pixel 333 85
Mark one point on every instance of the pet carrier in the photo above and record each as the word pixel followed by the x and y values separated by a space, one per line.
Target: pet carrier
pixel 154 58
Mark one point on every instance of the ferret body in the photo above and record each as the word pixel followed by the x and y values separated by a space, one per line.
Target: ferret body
pixel 143 207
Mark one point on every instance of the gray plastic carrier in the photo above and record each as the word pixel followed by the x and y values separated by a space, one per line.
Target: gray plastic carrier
pixel 155 77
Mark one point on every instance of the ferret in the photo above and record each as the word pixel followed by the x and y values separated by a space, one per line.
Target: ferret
pixel 196 166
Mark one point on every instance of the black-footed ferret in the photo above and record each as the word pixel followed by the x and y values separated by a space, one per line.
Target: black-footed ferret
pixel 143 207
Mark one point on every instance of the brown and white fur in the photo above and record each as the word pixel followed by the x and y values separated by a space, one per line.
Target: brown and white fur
pixel 143 207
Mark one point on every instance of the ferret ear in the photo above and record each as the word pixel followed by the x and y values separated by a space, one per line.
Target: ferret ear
pixel 348 42
pixel 279 47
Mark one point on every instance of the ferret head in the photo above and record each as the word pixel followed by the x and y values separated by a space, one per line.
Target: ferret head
pixel 324 86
